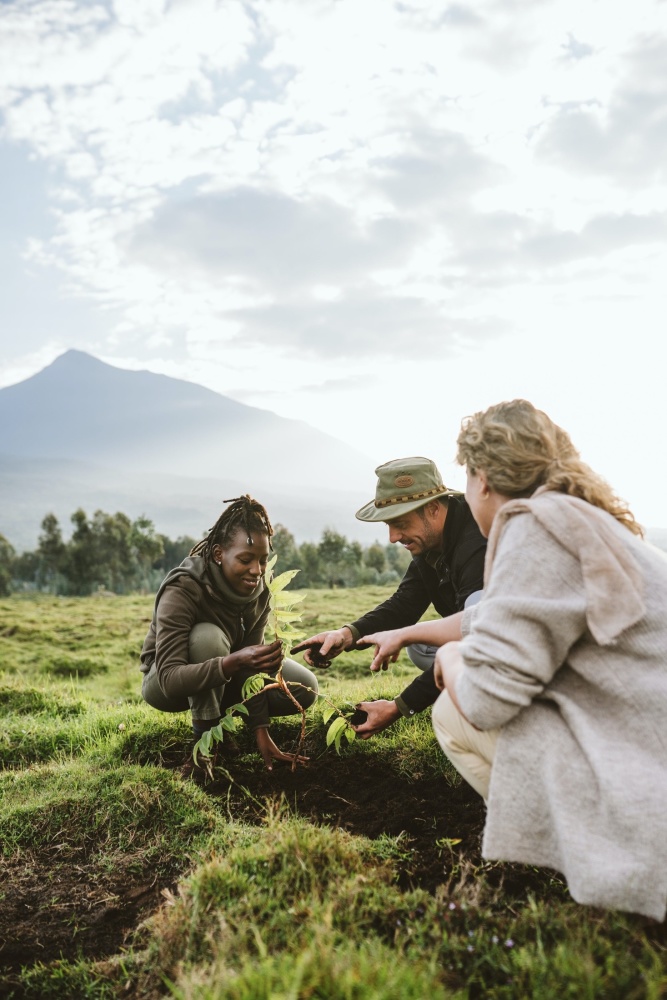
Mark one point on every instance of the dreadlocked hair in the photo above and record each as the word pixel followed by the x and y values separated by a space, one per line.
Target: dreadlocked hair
pixel 243 512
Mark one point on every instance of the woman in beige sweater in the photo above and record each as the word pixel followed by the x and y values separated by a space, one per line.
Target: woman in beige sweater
pixel 555 702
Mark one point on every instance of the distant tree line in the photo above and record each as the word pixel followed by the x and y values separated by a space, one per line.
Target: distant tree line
pixel 114 553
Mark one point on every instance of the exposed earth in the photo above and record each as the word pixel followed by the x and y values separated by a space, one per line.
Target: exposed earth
pixel 64 906
pixel 56 907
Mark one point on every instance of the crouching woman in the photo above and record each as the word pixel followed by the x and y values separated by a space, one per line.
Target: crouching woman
pixel 207 633
pixel 555 702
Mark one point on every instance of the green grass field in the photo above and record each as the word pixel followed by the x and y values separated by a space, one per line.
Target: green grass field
pixel 357 878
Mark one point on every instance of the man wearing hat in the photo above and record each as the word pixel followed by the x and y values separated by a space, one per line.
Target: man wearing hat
pixel 436 526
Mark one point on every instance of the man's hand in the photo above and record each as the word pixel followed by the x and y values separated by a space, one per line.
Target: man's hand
pixel 380 713
pixel 259 659
pixel 332 643
pixel 387 647
pixel 270 752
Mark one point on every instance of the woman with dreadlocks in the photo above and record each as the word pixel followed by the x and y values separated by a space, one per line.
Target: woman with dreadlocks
pixel 207 633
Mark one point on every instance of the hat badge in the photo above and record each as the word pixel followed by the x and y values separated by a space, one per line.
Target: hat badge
pixel 403 481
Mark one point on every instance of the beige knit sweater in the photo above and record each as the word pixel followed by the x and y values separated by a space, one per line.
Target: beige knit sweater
pixel 567 654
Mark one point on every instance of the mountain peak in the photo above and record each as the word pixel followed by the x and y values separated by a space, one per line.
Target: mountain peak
pixel 75 360
pixel 82 409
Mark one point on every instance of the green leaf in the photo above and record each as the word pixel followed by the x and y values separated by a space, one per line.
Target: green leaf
pixel 350 734
pixel 286 600
pixel 269 566
pixel 335 728
pixel 289 634
pixel 327 713
pixel 252 686
pixel 280 582
pixel 229 724
pixel 239 708
pixel 288 616
pixel 196 750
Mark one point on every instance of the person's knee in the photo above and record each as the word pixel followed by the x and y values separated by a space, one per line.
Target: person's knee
pixel 206 641
pixel 473 598
pixel 421 654
pixel 443 717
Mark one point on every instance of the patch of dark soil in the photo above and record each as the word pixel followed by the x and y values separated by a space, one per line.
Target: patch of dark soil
pixel 52 907
pixel 440 825
pixel 364 797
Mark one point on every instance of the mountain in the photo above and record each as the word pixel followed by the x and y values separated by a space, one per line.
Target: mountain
pixel 84 433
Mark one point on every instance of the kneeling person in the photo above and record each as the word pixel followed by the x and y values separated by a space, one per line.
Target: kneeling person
pixel 207 633
pixel 436 526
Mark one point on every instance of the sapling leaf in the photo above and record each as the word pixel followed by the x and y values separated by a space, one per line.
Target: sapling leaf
pixel 335 728
pixel 229 724
pixel 288 616
pixel 289 635
pixel 239 708
pixel 253 685
pixel 286 600
pixel 350 734
pixel 202 746
pixel 269 566
pixel 327 713
pixel 280 582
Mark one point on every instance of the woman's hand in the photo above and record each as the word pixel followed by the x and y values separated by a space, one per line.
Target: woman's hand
pixel 259 659
pixel 448 665
pixel 387 647
pixel 271 753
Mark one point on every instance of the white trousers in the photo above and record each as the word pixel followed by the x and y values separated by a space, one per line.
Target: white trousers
pixel 470 750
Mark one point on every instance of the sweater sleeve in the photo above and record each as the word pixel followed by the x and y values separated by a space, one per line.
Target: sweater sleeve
pixel 176 615
pixel 533 612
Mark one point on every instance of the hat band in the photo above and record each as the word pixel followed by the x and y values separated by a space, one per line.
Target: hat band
pixel 408 497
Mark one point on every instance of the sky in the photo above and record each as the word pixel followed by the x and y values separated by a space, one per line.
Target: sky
pixel 375 217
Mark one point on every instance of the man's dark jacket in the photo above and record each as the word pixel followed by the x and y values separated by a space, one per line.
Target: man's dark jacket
pixel 445 579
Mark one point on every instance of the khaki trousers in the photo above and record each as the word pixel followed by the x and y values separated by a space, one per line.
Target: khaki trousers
pixel 470 750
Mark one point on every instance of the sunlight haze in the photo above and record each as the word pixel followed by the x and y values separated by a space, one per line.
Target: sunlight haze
pixel 373 217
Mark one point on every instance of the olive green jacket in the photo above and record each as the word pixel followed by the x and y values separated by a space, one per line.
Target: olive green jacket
pixel 189 594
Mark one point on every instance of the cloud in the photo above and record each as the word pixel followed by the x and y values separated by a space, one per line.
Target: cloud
pixel 494 244
pixel 366 323
pixel 624 139
pixel 270 240
pixel 435 167
pixel 574 49
pixel 300 177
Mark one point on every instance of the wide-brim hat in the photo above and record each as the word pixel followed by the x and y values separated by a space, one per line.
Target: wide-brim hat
pixel 404 484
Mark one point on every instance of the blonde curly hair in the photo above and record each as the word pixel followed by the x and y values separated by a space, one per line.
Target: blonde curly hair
pixel 520 448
